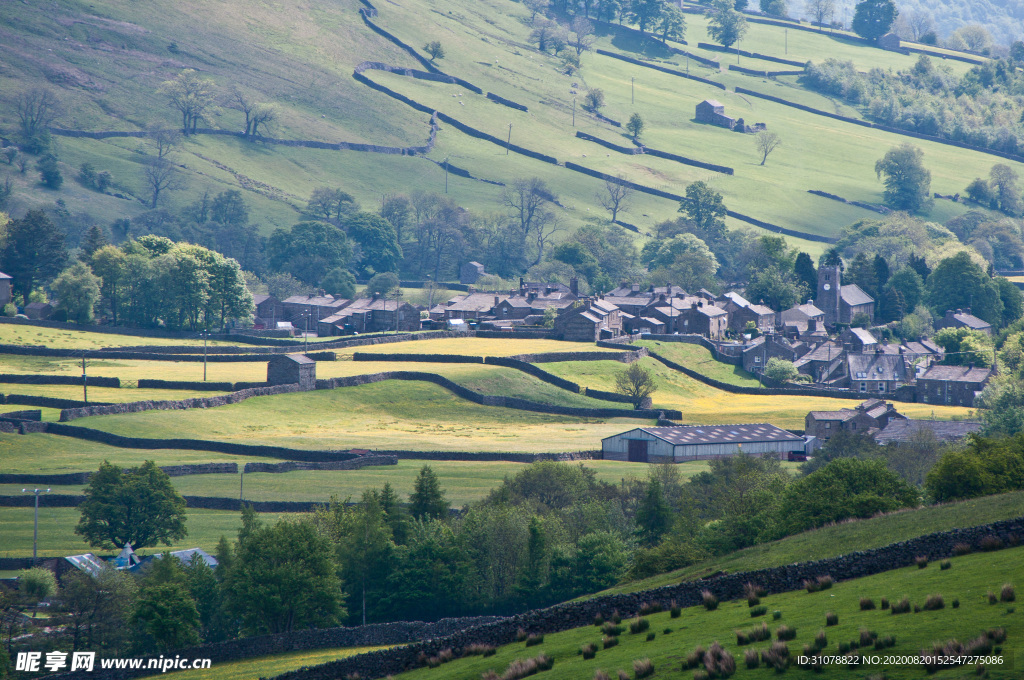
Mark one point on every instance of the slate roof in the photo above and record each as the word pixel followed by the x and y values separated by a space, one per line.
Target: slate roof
pixel 721 434
pixel 315 301
pixel 922 348
pixel 864 335
pixel 477 302
pixel 714 102
pixel 957 373
pixel 943 430
pixel 842 414
pixel 88 563
pixel 258 299
pixel 5 276
pixel 877 367
pixel 852 294
pixel 971 321
pixel 823 352
pixel 761 309
pixel 295 358
pixel 709 310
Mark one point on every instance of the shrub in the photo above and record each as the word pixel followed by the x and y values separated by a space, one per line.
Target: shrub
pixel 956 604
pixel 776 656
pixel 885 603
pixel 751 658
pixel 589 650
pixel 901 607
pixel 820 640
pixel 831 619
pixel 961 549
pixel 610 629
pixel 666 631
pixel 609 641
pixel 933 603
pixel 639 625
pixel 710 601
pixel 650 636
pixel 758 611
pixel 867 637
pixel 694 658
pixel 1007 593
pixel 534 639
pixel 785 633
pixel 718 662
pixel 643 668
pixel 866 603
pixel 945 564
pixel 992 598
pixel 675 610
pixel 921 561
pixel 776 615
pixel 990 543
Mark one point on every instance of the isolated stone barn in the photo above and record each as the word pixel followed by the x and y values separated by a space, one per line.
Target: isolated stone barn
pixel 291 369
pixel 712 111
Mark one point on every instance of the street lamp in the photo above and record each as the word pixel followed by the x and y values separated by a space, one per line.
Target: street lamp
pixel 35 527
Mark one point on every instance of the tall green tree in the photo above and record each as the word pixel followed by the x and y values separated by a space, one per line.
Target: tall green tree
pixel 653 516
pixel 132 505
pixel 31 251
pixel 645 13
pixel 309 250
pixel 377 241
pixel 907 182
pixel 284 578
pixel 365 552
pixel 727 26
pixel 432 577
pixel 873 18
pixel 705 208
pixel 427 500
pixel 958 282
pixel 165 615
pixel 805 271
pixel 78 291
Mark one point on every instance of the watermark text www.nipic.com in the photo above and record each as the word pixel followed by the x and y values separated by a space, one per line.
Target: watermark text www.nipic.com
pixel 52 662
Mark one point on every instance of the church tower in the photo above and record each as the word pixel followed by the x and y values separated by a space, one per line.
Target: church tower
pixel 830 281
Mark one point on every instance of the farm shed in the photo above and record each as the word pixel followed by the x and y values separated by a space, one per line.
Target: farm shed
pixel 700 442
pixel 289 369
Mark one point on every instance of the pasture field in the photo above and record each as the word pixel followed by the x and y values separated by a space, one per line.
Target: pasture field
pixel 701 360
pixel 967 581
pixel 267 666
pixel 290 53
pixel 846 537
pixel 63 338
pixel 57 526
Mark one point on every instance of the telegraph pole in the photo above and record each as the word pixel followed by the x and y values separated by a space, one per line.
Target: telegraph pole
pixel 445 180
pixel 35 526
pixel 509 142
pixel 85 385
pixel 206 335
pixel 632 90
pixel 574 111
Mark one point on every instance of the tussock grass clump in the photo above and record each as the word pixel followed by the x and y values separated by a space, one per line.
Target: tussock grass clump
pixel 885 603
pixel 643 668
pixel 601 675
pixel 616 617
pixel 785 632
pixel 866 603
pixel 609 641
pixel 674 610
pixel 598 620
pixel 753 593
pixel 811 585
pixel 776 656
pixel 758 611
pixel 701 674
pixel 650 636
pixel 520 635
pixel 622 675
pixel 831 619
pixel 755 634
pixel 844 647
pixel 921 561
pixel 650 608
pixel 885 642
pixel 776 615
pixel 709 600
pixel 589 650
pixel 992 597
pixel 667 631
pixel 694 658
pixel 961 549
pixel 990 543
pixel 610 629
pixel 996 635
pixel 945 564
pixel 956 603
pixel 718 662
pixel 479 649
pixel 1007 593
pixel 639 625
pixel 867 637
pixel 534 639
pixel 820 641
pixel 751 658
pixel 933 603
pixel 901 607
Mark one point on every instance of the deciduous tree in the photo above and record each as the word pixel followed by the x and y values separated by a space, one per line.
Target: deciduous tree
pixel 77 290
pixel 615 197
pixel 637 383
pixel 727 26
pixel 767 141
pixel 907 182
pixel 191 95
pixel 32 251
pixel 873 18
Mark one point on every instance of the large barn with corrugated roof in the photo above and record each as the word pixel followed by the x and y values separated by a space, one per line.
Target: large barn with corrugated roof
pixel 679 443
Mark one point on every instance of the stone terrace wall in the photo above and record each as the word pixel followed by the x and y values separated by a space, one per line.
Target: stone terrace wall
pixel 175 405
pixel 351 464
pixel 83 477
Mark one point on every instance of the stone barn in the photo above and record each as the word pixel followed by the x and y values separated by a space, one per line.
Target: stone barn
pixel 712 111
pixel 701 442
pixel 291 369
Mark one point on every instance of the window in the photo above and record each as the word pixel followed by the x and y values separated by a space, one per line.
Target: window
pixel 828 426
pixel 863 387
pixel 881 387
pixel 757 360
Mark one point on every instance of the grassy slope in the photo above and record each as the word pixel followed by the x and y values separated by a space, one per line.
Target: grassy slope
pixel 251 669
pixel 299 54
pixel 60 338
pixel 847 537
pixel 968 580
pixel 700 359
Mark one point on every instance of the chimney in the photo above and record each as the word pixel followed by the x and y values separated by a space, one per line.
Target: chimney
pixel 693 305
pixel 531 296
pixel 522 284
pixel 574 286
pixel 967 310
pixel 701 303
pixel 497 300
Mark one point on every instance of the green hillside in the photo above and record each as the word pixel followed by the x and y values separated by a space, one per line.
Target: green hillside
pixel 107 59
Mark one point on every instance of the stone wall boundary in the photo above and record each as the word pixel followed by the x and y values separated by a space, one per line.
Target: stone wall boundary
pixel 663 69
pixel 365 460
pixel 42 379
pixel 70 478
